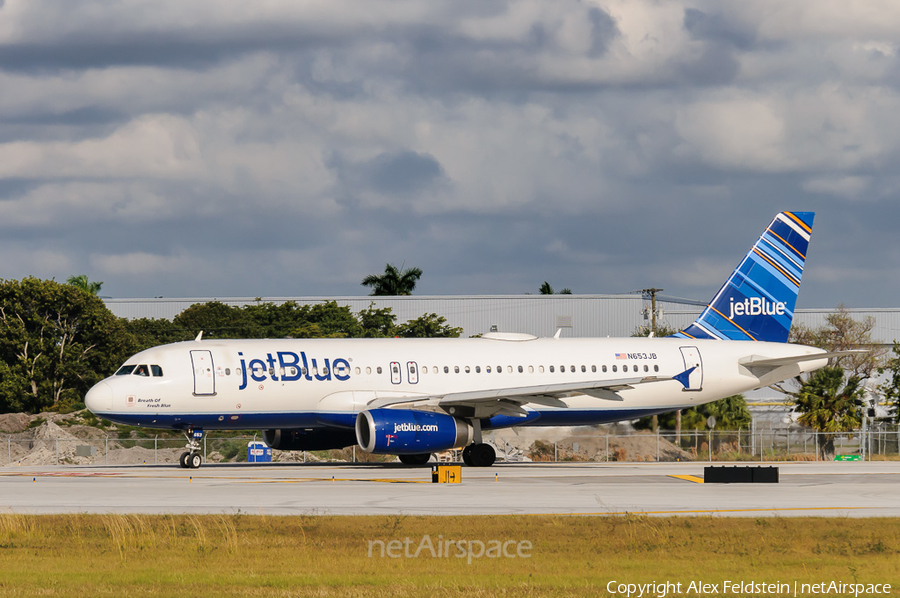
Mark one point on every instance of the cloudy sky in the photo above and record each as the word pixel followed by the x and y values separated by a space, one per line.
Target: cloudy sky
pixel 276 147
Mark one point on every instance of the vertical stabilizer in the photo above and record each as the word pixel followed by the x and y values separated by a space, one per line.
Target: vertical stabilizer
pixel 757 302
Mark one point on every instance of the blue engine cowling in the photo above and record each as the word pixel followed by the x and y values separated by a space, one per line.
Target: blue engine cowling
pixel 408 432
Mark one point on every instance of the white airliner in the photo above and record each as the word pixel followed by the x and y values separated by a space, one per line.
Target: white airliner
pixel 414 397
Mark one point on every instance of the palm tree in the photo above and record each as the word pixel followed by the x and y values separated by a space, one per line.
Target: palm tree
pixel 81 281
pixel 393 281
pixel 829 404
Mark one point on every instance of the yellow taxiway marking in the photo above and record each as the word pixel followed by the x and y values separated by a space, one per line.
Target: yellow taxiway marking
pixel 689 478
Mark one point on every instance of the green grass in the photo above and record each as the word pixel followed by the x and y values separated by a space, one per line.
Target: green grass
pixel 243 555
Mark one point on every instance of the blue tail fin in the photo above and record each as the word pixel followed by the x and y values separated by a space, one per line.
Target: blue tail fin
pixel 757 302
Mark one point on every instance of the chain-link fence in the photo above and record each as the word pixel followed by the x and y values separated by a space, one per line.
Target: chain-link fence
pixel 787 444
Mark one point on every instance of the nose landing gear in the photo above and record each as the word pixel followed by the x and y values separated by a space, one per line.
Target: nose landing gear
pixel 191 458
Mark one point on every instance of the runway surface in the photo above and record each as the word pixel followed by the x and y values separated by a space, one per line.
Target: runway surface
pixel 854 489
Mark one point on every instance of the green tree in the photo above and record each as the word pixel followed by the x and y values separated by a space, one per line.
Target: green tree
pixel 891 388
pixel 830 402
pixel 393 281
pixel 841 332
pixel 81 281
pixel 55 343
pixel 731 413
pixel 428 326
pixel 546 289
pixel 217 320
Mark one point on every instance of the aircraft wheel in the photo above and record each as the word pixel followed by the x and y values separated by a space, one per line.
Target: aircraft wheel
pixel 483 455
pixel 183 459
pixel 194 460
pixel 467 455
pixel 418 459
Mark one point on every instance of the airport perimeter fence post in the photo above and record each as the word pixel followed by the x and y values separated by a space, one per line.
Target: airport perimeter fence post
pixel 657 445
pixel 607 446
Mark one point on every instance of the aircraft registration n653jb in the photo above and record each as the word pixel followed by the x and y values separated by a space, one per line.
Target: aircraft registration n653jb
pixel 414 397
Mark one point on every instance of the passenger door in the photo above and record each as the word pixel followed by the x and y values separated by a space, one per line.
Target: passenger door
pixel 204 378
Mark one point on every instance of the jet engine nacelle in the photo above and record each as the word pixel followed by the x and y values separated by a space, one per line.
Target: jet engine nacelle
pixel 308 440
pixel 409 432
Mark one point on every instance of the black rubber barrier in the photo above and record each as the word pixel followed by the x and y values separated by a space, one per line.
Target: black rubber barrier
pixel 740 475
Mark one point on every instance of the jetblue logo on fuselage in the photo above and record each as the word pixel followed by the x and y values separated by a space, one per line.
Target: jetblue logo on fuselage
pixel 288 366
pixel 756 306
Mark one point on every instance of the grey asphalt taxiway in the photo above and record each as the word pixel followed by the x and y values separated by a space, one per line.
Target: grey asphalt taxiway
pixel 848 489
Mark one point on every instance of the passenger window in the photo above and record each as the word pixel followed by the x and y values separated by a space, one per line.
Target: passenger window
pixel 142 371
pixel 477 369
pixel 562 369
pixel 583 369
pixel 378 370
pixel 358 371
pixel 157 371
pixel 227 371
pixel 499 369
pixel 594 369
pixel 446 369
pixel 521 369
pixel 656 368
pixel 572 369
pixel 305 371
pixel 541 369
pixel 456 369
pixel 271 371
pixel 646 369
pixel 614 368
pixel 531 369
pixel 368 370
pixel 434 370
pixel 125 370
pixel 487 369
pixel 551 369
pixel 395 369
pixel 509 369
pixel 604 369
pixel 468 371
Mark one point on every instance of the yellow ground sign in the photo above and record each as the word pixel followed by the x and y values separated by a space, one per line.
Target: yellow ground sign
pixel 446 474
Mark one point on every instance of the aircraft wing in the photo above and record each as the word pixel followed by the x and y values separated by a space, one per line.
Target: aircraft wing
pixel 509 401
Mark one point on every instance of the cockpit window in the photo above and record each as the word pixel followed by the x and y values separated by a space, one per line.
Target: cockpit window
pixel 125 370
pixel 142 370
pixel 156 371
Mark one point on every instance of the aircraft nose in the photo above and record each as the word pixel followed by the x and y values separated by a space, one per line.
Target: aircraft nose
pixel 99 398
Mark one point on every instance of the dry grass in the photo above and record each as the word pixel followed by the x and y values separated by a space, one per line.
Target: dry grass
pixel 240 555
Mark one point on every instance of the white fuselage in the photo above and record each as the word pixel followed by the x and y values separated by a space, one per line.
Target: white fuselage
pixel 241 384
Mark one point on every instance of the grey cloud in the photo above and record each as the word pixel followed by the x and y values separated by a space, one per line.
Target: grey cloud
pixel 390 173
pixel 717 27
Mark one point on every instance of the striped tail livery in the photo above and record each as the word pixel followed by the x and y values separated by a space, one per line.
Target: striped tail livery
pixel 757 302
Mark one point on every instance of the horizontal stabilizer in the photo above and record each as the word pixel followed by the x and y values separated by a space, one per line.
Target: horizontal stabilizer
pixel 757 361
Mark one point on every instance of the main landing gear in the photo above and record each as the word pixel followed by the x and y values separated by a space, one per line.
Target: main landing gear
pixel 191 459
pixel 418 459
pixel 479 455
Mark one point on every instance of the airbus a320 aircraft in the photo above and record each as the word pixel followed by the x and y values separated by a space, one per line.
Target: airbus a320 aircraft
pixel 414 397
